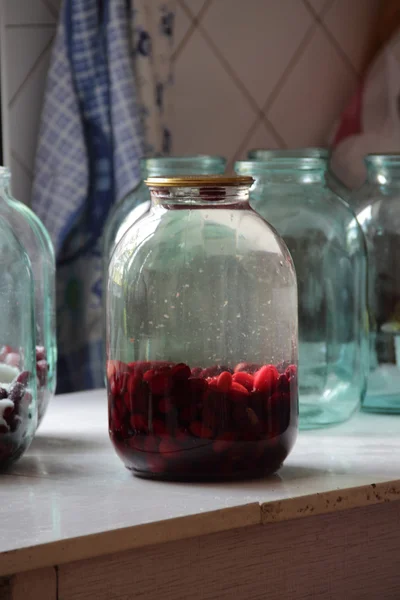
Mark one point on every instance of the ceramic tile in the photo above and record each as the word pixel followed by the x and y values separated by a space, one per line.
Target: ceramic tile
pixel 310 100
pixel 24 46
pixel 194 6
pixel 19 12
pixel 24 115
pixel 318 6
pixel 351 24
pixel 182 24
pixel 261 137
pixel 21 182
pixel 257 38
pixel 210 114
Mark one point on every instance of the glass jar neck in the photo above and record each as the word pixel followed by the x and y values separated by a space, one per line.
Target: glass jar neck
pixel 294 153
pixel 182 165
pixel 285 170
pixel 218 196
pixel 5 181
pixel 383 169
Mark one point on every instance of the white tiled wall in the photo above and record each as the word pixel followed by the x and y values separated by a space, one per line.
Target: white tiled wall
pixel 248 73
pixel 272 73
pixel 26 34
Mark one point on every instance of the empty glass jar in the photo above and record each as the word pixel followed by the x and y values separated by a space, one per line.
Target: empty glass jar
pixel 137 204
pixel 202 336
pixel 36 241
pixel 333 182
pixel 18 400
pixel 328 250
pixel 377 205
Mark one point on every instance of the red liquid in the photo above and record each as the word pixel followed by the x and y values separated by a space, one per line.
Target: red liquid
pixel 169 421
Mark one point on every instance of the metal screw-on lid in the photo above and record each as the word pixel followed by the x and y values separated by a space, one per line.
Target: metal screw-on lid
pixel 199 181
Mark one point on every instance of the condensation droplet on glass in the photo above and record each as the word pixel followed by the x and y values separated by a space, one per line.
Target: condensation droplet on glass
pixel 201 270
pixel 281 263
pixel 225 304
pixel 166 316
pixel 186 285
pixel 238 316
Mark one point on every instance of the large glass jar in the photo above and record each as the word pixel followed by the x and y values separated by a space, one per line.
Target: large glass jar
pixel 18 408
pixel 332 181
pixel 377 205
pixel 202 336
pixel 135 205
pixel 36 241
pixel 328 250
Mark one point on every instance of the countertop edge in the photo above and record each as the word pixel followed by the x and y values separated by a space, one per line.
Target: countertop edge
pixel 179 528
pixel 321 503
pixel 128 538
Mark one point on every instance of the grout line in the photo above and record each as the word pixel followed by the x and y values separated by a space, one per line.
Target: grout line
pixel 260 120
pixel 52 10
pixel 330 36
pixel 22 164
pixel 290 67
pixel 229 70
pixel 315 13
pixel 31 71
pixel 195 20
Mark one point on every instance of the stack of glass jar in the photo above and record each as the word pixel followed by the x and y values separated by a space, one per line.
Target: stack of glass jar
pixel 27 324
pixel 328 249
pixel 202 336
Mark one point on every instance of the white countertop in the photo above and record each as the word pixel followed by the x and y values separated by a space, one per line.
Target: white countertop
pixel 70 496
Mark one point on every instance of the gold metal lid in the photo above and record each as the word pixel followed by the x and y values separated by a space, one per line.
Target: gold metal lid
pixel 199 181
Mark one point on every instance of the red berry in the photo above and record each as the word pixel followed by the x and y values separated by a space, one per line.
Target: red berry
pixel 245 379
pixel 159 427
pixel 224 382
pixel 180 371
pixel 167 446
pixel 237 387
pixel 138 422
pixel 248 367
pixel 159 383
pixel 266 378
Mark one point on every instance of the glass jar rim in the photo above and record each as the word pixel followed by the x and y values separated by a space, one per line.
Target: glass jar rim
pixel 190 181
pixel 382 158
pixel 280 163
pixel 177 161
pixel 290 153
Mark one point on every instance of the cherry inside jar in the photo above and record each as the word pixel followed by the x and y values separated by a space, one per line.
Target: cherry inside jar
pixel 174 421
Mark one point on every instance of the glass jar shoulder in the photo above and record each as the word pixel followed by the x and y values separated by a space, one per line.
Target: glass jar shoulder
pixel 313 212
pixel 378 207
pixel 120 212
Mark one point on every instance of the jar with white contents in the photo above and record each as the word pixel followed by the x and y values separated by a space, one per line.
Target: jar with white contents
pixel 18 381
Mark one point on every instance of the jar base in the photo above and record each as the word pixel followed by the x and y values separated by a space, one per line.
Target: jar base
pixel 205 478
pixel 314 416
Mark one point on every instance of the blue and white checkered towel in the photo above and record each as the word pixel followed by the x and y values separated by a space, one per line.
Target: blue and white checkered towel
pixel 90 143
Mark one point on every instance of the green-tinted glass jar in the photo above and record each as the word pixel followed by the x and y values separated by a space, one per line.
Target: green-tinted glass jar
pixel 333 182
pixel 137 204
pixel 328 250
pixel 36 241
pixel 377 205
pixel 202 336
pixel 18 382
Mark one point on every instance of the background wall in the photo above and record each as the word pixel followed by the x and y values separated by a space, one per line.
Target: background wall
pixel 248 73
pixel 272 73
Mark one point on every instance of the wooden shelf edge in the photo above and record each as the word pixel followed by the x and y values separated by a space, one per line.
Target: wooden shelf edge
pixel 129 538
pixel 328 502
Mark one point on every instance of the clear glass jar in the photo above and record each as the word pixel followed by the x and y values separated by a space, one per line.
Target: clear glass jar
pixel 18 391
pixel 137 204
pixel 333 182
pixel 377 205
pixel 328 250
pixel 202 336
pixel 36 241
